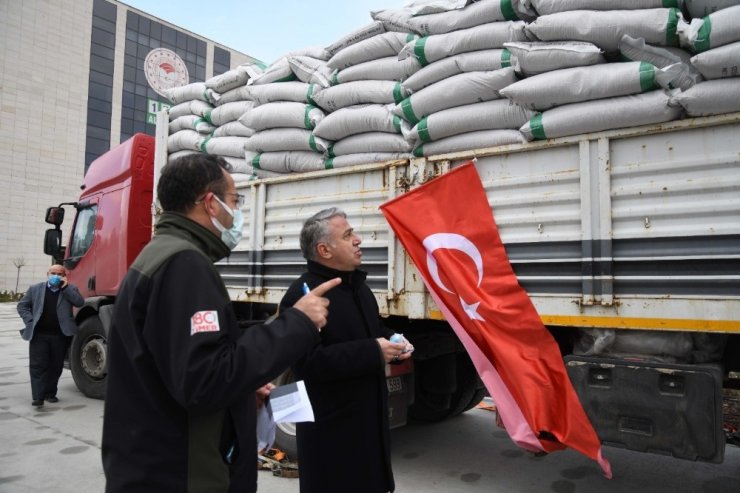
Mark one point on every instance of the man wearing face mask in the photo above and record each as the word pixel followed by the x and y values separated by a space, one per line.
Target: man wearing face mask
pixel 46 310
pixel 184 379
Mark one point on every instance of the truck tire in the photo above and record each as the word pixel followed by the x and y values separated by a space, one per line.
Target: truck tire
pixel 88 358
pixel 469 391
pixel 285 438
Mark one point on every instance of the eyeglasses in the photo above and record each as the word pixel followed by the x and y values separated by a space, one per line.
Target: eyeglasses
pixel 239 198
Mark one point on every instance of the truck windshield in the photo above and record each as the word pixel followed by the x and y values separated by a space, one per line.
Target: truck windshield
pixel 82 236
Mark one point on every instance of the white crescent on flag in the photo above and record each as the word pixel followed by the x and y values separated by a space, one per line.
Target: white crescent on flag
pixel 455 242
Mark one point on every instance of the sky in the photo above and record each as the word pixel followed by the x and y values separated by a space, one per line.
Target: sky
pixel 266 30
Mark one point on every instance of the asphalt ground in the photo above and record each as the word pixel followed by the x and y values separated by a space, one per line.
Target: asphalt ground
pixel 57 449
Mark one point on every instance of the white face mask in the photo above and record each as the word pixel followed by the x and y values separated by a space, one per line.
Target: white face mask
pixel 231 236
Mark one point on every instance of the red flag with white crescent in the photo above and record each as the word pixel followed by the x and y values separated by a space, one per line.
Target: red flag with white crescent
pixel 448 231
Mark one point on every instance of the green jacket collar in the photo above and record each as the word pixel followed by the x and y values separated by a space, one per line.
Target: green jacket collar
pixel 176 224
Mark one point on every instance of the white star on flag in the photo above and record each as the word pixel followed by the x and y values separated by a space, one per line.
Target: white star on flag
pixel 471 310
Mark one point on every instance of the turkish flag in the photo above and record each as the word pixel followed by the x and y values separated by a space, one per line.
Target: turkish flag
pixel 448 231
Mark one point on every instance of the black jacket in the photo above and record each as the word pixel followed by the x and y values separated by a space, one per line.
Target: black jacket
pixel 182 374
pixel 347 448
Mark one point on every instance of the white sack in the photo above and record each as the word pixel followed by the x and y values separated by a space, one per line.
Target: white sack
pixel 606 28
pixel 711 97
pixel 285 139
pixel 719 62
pixel 228 80
pixel 373 29
pixel 238 94
pixel 545 7
pixel 369 142
pixel 712 31
pixel 359 119
pixel 297 91
pixel 470 141
pixel 474 61
pixel 603 114
pixel 388 68
pixel 364 158
pixel 224 146
pixel 532 58
pixel 311 70
pixel 490 115
pixel 279 71
pixel 282 114
pixel 184 140
pixel 429 49
pixel 287 162
pixel 474 14
pixel 454 91
pixel 396 20
pixel 189 92
pixel 380 46
pixel 229 112
pixel 702 8
pixel 573 85
pixel 359 92
pixel 191 122
pixel 233 129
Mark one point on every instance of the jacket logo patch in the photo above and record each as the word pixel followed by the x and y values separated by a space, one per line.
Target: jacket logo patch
pixel 205 321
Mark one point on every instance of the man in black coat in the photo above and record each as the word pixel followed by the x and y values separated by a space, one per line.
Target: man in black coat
pixel 347 447
pixel 180 405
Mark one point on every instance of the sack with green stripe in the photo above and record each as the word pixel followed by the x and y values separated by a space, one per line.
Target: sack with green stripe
pixel 572 85
pixel 369 142
pixel 364 158
pixel 716 29
pixel 360 119
pixel 359 92
pixel 242 93
pixel 474 61
pixel 606 28
pixel 184 140
pixel 233 129
pixel 224 146
pixel 469 141
pixel 387 68
pixel 192 122
pixel 454 91
pixel 229 112
pixel 190 92
pixel 285 139
pixel 379 46
pixel 545 7
pixel 474 14
pixel 498 114
pixel 702 8
pixel 287 161
pixel 297 91
pixel 195 107
pixel 718 63
pixel 372 29
pixel 602 114
pixel 282 114
pixel 675 71
pixel 229 80
pixel 311 70
pixel 435 47
pixel 532 58
pixel 279 71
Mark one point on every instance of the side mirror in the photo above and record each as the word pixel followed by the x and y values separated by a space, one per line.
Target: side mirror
pixel 55 216
pixel 53 242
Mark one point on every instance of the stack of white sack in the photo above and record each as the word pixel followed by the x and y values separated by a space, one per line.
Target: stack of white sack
pixel 367 77
pixel 586 94
pixel 189 118
pixel 285 113
pixel 452 105
pixel 715 40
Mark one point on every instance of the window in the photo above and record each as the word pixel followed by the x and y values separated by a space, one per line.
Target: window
pixel 83 234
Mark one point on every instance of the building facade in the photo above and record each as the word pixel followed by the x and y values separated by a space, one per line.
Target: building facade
pixel 78 77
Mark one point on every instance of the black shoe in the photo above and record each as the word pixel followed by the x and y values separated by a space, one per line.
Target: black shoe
pixel 52 399
pixel 37 402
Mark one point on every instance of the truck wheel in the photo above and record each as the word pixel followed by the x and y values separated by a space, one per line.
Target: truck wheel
pixel 88 358
pixel 285 438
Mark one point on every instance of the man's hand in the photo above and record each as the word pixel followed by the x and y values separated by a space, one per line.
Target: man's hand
pixel 393 351
pixel 262 394
pixel 64 282
pixel 314 305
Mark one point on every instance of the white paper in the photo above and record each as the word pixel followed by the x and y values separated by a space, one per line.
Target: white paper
pixel 290 404
pixel 265 428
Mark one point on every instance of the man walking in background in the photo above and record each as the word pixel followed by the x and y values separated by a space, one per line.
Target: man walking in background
pixel 46 310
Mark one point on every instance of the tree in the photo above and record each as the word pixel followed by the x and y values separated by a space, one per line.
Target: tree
pixel 18 262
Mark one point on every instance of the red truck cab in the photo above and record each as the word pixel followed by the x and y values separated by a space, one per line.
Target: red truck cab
pixel 112 224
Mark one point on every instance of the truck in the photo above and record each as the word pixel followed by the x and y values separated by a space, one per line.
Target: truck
pixel 627 242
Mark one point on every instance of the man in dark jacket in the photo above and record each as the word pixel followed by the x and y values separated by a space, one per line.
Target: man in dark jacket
pixel 347 448
pixel 46 310
pixel 180 410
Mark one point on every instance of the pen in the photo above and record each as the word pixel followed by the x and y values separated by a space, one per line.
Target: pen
pixel 305 289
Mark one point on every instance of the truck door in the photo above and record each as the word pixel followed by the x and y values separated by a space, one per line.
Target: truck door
pixel 80 259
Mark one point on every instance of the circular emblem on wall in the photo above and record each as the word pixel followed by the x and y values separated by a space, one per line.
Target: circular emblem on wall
pixel 164 69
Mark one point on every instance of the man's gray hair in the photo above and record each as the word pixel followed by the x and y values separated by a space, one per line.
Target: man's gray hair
pixel 316 229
